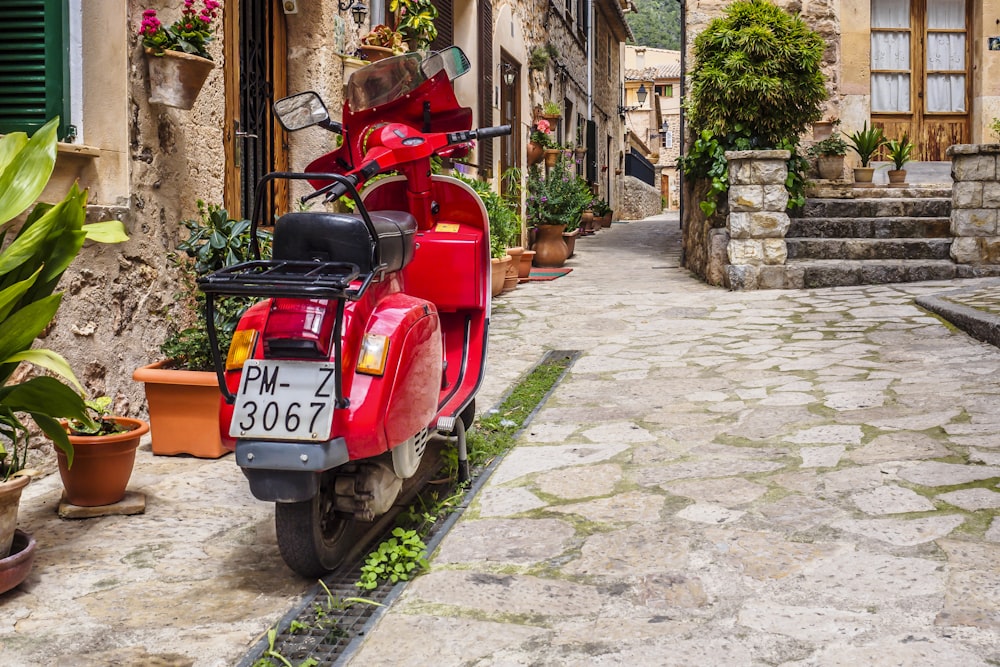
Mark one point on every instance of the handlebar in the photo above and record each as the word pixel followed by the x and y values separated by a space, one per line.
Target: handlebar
pixel 481 133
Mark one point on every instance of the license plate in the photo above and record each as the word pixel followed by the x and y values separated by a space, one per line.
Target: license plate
pixel 284 400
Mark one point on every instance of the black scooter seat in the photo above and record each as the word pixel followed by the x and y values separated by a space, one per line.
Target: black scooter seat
pixel 341 237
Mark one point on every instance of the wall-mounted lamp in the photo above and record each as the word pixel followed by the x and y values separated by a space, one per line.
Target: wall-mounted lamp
pixel 640 96
pixel 359 10
pixel 509 74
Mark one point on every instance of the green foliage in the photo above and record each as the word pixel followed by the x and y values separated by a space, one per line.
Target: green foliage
pixel 30 268
pixel 101 423
pixel 995 128
pixel 656 23
pixel 832 145
pixel 415 20
pixel 214 241
pixel 541 55
pixel 551 109
pixel 191 33
pixel 557 198
pixel 900 151
pixel 866 141
pixel 601 208
pixel 397 559
pixel 757 67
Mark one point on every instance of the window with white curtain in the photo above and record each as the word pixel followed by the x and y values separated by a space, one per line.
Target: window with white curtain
pixel 890 65
pixel 945 56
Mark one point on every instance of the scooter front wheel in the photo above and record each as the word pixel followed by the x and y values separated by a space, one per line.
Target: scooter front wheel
pixel 312 538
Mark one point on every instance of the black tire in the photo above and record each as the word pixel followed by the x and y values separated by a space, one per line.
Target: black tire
pixel 312 538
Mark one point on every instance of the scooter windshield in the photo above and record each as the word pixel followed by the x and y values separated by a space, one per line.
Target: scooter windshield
pixel 391 78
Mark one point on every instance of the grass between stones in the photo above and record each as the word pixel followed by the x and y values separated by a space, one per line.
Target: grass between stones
pixel 315 634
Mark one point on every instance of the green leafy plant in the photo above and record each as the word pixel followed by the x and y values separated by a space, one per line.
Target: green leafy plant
pixel 214 241
pixel 415 21
pixel 101 422
pixel 397 559
pixel 191 33
pixel 551 109
pixel 557 198
pixel 541 55
pixel 760 67
pixel 866 141
pixel 384 36
pixel 30 268
pixel 995 128
pixel 832 145
pixel 601 208
pixel 900 151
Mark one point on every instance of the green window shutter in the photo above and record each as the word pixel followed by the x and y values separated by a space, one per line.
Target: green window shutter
pixel 34 65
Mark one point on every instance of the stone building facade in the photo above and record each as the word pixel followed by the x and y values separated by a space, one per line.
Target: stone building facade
pixel 148 165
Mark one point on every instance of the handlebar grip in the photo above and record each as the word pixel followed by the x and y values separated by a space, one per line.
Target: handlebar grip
pixel 490 132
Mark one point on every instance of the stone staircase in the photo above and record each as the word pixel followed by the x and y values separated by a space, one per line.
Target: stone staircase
pixel 854 236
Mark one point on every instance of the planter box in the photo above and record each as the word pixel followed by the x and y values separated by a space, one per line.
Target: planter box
pixel 183 411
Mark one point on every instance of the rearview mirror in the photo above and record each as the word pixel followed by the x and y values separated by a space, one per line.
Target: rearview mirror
pixel 300 111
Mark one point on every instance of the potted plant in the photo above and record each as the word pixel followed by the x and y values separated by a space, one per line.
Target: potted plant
pixel 30 268
pixel 602 212
pixel 182 390
pixel 538 141
pixel 415 21
pixel 551 111
pixel 829 154
pixel 899 152
pixel 865 142
pixel 505 234
pixel 554 201
pixel 382 42
pixel 104 455
pixel 177 56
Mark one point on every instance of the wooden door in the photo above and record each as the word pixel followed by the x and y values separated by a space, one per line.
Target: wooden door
pixel 256 76
pixel 510 107
pixel 920 83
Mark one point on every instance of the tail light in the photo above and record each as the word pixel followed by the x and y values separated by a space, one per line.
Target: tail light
pixel 241 348
pixel 298 329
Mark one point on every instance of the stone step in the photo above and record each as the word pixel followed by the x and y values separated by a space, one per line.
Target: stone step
pixel 812 273
pixel 876 228
pixel 854 248
pixel 925 207
pixel 832 190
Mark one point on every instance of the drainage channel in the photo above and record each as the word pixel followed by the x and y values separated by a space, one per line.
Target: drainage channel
pixel 327 627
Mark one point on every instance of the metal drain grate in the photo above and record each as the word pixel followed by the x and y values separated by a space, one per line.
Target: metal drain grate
pixel 330 635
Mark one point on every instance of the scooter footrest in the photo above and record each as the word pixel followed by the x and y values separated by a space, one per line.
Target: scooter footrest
pixel 284 278
pixel 445 425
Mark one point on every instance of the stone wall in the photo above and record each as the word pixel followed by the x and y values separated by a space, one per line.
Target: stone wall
pixel 975 199
pixel 641 200
pixel 758 219
pixel 705 238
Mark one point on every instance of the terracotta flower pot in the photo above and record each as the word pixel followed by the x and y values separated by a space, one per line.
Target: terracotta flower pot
pixel 375 53
pixel 183 410
pixel 863 176
pixel 587 223
pixel 551 157
pixel 569 238
pixel 102 464
pixel 15 567
pixel 511 276
pixel 499 274
pixel 550 248
pixel 534 153
pixel 830 167
pixel 897 178
pixel 524 267
pixel 10 500
pixel 176 78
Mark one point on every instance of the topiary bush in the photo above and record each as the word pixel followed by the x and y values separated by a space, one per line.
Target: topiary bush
pixel 759 67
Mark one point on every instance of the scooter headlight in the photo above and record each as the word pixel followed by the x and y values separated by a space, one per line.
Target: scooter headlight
pixel 374 351
pixel 241 348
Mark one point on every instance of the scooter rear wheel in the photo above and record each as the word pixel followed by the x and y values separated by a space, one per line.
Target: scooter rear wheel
pixel 312 538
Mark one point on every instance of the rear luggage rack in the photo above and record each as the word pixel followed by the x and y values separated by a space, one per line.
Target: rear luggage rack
pixel 286 278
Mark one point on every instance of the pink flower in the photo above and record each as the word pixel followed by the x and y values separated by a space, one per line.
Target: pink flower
pixel 543 125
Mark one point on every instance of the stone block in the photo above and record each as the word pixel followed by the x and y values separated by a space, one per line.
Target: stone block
pixel 974 222
pixel 746 197
pixel 769 172
pixel 718 242
pixel 740 172
pixel 745 251
pixel 967 194
pixel 739 224
pixel 991 195
pixel 974 168
pixel 965 250
pixel 775 251
pixel 780 277
pixel 743 277
pixel 769 225
pixel 776 198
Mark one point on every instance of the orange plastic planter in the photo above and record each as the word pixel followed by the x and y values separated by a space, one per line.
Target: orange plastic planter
pixel 102 464
pixel 183 411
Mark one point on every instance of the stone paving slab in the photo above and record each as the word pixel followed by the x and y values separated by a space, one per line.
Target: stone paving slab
pixel 727 478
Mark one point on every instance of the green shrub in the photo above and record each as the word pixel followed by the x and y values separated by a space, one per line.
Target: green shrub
pixel 757 67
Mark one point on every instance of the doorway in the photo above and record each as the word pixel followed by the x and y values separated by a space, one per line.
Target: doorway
pixel 510 105
pixel 256 76
pixel 920 83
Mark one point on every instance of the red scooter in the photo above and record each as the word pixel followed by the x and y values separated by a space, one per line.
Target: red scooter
pixel 371 337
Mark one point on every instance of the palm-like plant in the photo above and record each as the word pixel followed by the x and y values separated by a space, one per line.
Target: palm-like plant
pixel 866 141
pixel 900 151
